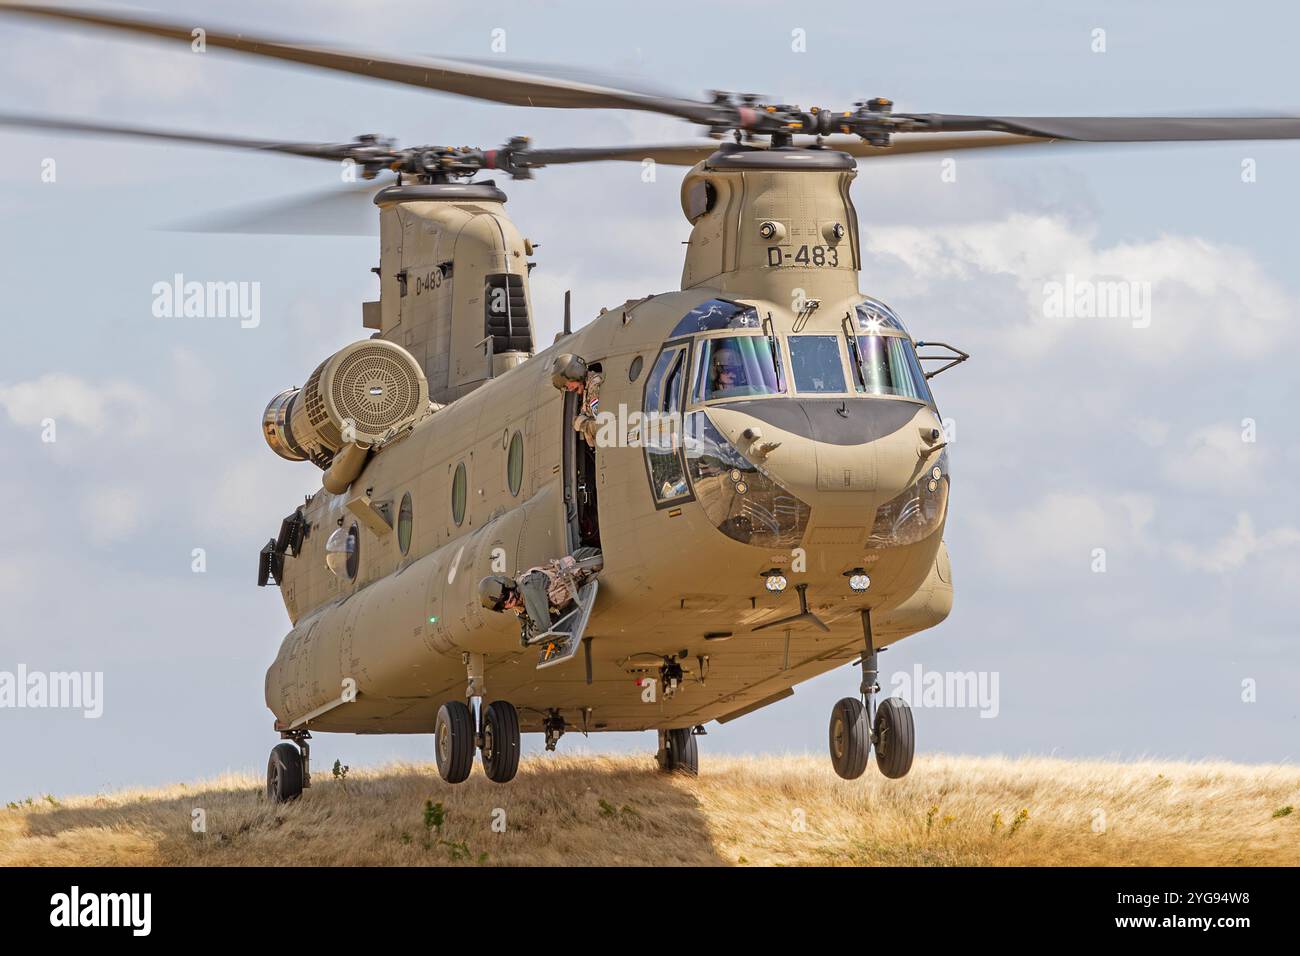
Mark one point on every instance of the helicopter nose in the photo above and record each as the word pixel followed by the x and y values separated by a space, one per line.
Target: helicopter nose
pixel 835 454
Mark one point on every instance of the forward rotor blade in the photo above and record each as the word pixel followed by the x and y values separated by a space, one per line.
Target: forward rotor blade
pixel 86 128
pixel 464 78
pixel 1116 129
pixel 688 154
pixel 908 143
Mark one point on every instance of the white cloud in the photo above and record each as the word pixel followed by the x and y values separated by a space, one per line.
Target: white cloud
pixel 1060 530
pixel 251 495
pixel 118 407
pixel 1149 431
pixel 111 514
pixel 1214 458
pixel 1238 546
pixel 158 72
pixel 1207 300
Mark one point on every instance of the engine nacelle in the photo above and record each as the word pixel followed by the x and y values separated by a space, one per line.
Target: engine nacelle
pixel 363 394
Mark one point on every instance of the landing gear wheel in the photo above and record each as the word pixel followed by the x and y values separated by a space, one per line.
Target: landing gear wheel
pixel 681 754
pixel 284 774
pixel 895 737
pixel 500 741
pixel 454 741
pixel 849 738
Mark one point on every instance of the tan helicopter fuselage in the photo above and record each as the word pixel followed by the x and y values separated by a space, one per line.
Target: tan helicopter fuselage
pixel 380 652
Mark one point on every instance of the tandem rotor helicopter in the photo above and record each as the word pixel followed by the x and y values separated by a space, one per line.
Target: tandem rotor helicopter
pixel 764 494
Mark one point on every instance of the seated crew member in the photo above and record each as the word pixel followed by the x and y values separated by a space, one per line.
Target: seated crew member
pixel 541 595
pixel 726 373
pixel 569 373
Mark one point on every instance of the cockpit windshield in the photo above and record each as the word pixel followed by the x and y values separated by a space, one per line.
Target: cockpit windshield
pixel 816 363
pixel 737 366
pixel 887 365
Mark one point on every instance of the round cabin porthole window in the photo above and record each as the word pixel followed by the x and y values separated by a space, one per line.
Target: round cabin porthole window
pixel 634 370
pixel 459 484
pixel 404 519
pixel 515 463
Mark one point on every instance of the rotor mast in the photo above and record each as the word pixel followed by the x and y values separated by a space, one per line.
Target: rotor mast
pixel 768 222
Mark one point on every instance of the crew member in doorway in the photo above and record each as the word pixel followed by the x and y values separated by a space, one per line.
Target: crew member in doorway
pixel 569 373
pixel 541 595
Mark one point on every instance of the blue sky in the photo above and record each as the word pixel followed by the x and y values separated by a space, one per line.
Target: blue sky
pixel 1071 436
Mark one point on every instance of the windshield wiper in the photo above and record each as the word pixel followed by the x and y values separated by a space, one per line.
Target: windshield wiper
pixel 770 329
pixel 859 369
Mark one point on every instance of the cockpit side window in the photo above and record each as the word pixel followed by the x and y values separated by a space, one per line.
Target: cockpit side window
pixel 737 366
pixel 661 426
pixel 873 316
pixel 887 365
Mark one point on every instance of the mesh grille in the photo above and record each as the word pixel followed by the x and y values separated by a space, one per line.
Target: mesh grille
pixel 316 413
pixel 375 389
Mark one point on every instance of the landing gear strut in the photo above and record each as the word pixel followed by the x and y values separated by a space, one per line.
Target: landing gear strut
pixel 289 769
pixel 858 723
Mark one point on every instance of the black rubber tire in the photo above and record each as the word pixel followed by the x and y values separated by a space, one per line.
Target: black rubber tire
pixel 284 773
pixel 895 737
pixel 850 740
pixel 453 741
pixel 500 750
pixel 683 753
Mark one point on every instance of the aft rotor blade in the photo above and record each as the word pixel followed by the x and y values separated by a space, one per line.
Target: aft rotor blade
pixel 463 78
pixel 335 212
pixel 1114 129
pixel 669 154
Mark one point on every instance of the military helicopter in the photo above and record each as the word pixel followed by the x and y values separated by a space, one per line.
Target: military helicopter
pixel 771 486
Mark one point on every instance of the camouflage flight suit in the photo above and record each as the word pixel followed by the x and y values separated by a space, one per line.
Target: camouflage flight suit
pixel 584 423
pixel 544 593
pixel 547 590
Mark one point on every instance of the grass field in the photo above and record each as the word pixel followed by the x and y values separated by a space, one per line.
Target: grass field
pixel 755 811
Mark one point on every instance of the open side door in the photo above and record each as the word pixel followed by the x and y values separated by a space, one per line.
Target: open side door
pixel 561 642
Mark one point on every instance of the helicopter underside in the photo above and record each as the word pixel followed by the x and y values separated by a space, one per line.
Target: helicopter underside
pixel 734 671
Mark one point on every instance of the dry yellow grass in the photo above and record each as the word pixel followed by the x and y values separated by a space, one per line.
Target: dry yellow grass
pixel 580 810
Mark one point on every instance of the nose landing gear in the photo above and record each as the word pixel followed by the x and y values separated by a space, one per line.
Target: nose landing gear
pixel 461 728
pixel 500 744
pixel 858 724
pixel 678 751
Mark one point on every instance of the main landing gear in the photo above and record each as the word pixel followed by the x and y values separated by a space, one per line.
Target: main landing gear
pixel 857 724
pixel 289 769
pixel 462 728
pixel 678 751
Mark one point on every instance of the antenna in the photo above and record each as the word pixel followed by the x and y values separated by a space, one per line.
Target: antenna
pixel 568 315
